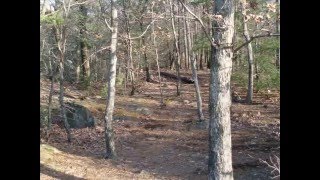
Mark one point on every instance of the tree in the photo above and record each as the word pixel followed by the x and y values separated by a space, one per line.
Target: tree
pixel 193 65
pixel 250 52
pixel 177 51
pixel 278 31
pixel 220 156
pixel 157 56
pixel 59 29
pixel 129 64
pixel 146 63
pixel 109 134
pixel 85 63
pixel 196 86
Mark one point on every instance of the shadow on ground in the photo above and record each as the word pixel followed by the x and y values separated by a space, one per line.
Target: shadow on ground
pixel 57 174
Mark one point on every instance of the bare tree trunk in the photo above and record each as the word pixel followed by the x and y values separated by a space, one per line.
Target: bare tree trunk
pixel 220 154
pixel 109 133
pixel 209 58
pixel 129 50
pixel 201 59
pixel 278 31
pixel 256 66
pixel 186 57
pixel 78 72
pixel 189 41
pixel 157 58
pixel 197 88
pixel 132 78
pixel 61 42
pixel 50 100
pixel 194 69
pixel 146 63
pixel 61 96
pixel 177 50
pixel 250 54
pixel 85 63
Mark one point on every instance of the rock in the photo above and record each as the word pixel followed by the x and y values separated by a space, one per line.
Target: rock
pixel 144 111
pixel 79 116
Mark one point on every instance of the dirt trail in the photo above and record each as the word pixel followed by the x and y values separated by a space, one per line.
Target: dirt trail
pixel 156 142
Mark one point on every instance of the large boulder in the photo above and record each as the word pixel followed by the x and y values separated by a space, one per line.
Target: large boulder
pixel 79 116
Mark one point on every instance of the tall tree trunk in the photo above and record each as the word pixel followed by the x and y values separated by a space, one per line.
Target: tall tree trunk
pixel 209 58
pixel 189 41
pixel 132 78
pixel 201 59
pixel 85 63
pixel 256 66
pixel 278 31
pixel 186 49
pixel 60 40
pixel 157 58
pixel 220 155
pixel 61 96
pixel 129 49
pixel 146 63
pixel 50 100
pixel 250 54
pixel 78 71
pixel 177 49
pixel 196 86
pixel 109 133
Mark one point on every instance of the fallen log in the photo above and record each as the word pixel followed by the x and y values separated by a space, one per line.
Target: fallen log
pixel 183 79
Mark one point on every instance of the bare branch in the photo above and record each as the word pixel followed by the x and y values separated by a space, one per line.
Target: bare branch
pixel 109 27
pixel 275 166
pixel 184 17
pixel 200 21
pixel 104 48
pixel 79 3
pixel 253 38
pixel 143 32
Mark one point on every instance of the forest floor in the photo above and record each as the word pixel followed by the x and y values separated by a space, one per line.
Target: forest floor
pixel 155 142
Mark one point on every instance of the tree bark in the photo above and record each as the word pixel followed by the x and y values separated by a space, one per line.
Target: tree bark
pixel 85 63
pixel 177 49
pixel 278 31
pixel 250 54
pixel 129 49
pixel 197 88
pixel 157 58
pixel 61 96
pixel 201 59
pixel 146 63
pixel 109 133
pixel 50 101
pixel 186 50
pixel 60 36
pixel 220 155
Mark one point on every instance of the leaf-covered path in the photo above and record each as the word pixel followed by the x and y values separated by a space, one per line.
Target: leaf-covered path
pixel 155 142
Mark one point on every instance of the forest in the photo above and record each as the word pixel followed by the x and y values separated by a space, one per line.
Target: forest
pixel 160 89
